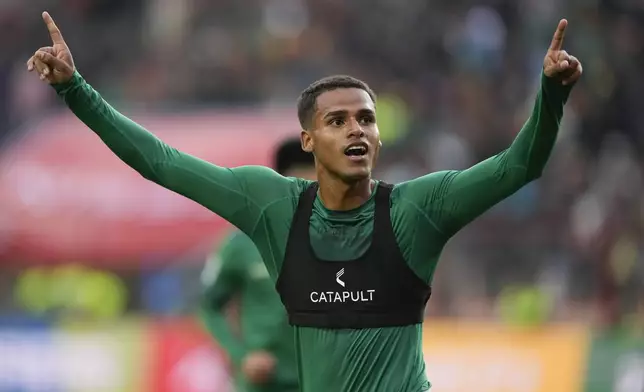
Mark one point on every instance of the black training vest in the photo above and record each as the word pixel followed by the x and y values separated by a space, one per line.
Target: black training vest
pixel 375 290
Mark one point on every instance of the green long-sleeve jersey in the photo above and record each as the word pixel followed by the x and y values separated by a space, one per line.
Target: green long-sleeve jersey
pixel 236 271
pixel 425 213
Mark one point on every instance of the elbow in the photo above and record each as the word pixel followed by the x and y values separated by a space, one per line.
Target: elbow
pixel 159 170
pixel 521 173
pixel 533 175
pixel 154 172
pixel 138 162
pixel 513 180
pixel 150 175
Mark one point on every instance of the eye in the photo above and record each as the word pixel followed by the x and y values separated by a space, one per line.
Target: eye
pixel 367 120
pixel 336 122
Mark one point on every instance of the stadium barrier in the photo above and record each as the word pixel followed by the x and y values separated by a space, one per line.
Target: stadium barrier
pixel 178 356
pixel 488 357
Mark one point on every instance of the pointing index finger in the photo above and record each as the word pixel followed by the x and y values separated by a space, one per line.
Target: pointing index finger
pixel 54 32
pixel 557 39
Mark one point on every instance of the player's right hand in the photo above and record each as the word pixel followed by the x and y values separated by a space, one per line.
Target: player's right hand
pixel 53 63
pixel 259 366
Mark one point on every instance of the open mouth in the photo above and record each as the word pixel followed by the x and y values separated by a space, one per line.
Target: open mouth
pixel 356 150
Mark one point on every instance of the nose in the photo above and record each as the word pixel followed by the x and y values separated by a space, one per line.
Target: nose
pixel 355 131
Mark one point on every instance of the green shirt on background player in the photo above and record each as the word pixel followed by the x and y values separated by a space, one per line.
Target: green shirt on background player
pixel 337 115
pixel 263 352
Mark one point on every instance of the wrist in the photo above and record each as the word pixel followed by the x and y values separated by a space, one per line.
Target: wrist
pixel 75 80
pixel 553 85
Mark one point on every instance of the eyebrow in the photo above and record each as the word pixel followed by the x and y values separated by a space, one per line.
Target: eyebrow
pixel 336 113
pixel 367 111
pixel 342 113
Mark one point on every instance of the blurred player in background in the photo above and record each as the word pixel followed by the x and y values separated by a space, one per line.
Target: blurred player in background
pixel 263 352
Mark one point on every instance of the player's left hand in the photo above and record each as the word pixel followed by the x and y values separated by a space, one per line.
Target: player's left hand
pixel 53 63
pixel 558 63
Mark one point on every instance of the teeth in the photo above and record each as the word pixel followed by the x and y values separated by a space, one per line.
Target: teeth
pixel 356 150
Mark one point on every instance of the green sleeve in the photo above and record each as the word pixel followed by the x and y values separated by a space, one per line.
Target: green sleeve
pixel 430 209
pixel 223 279
pixel 451 199
pixel 237 195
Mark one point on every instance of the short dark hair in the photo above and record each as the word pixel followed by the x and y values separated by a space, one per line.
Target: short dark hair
pixel 290 154
pixel 306 103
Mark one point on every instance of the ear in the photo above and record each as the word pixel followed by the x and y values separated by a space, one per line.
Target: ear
pixel 380 143
pixel 306 140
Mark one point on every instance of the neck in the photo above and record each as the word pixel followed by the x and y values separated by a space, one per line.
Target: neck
pixel 338 195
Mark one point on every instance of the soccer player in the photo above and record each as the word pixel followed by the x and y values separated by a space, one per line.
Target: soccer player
pixel 264 355
pixel 352 257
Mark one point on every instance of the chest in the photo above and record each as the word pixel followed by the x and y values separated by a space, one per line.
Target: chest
pixel 374 288
pixel 335 240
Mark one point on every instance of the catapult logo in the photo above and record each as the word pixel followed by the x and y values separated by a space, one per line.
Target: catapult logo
pixel 338 276
pixel 342 296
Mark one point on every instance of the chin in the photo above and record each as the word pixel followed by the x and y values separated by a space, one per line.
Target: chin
pixel 356 175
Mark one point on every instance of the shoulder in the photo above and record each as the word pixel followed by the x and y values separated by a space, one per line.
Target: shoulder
pixel 422 186
pixel 297 186
pixel 270 184
pixel 418 198
pixel 300 185
pixel 265 183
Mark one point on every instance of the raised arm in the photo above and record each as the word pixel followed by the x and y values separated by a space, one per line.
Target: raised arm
pixel 238 195
pixel 452 199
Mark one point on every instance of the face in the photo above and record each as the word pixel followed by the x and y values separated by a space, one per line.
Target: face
pixel 345 138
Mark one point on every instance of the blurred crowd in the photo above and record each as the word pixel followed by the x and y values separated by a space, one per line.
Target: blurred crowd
pixel 456 80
